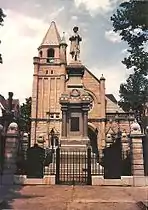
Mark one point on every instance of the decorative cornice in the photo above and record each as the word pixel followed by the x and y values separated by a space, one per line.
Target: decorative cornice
pixel 65 109
pixel 97 120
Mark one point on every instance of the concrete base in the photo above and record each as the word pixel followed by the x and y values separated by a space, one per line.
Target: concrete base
pixel 23 180
pixel 96 180
pixel 127 180
pixel 139 181
pixel 124 181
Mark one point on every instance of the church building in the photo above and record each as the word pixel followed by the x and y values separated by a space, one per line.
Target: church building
pixel 51 80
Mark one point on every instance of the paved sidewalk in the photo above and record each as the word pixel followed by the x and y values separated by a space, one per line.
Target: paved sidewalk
pixel 60 197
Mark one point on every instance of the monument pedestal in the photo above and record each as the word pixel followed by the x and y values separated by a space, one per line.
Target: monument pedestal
pixel 75 104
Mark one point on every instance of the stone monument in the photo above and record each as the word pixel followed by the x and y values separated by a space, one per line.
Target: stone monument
pixel 75 44
pixel 75 101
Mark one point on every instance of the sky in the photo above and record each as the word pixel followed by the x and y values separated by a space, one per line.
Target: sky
pixel 26 24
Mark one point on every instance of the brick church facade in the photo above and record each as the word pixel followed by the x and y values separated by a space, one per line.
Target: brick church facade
pixel 50 82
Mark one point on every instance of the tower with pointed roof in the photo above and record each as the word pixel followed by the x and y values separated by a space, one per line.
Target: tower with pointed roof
pixel 48 84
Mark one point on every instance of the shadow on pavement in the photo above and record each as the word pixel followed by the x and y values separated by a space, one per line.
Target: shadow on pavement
pixel 9 193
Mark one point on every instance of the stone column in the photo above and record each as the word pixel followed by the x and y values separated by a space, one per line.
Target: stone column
pixel 34 106
pixel 137 155
pixel 64 124
pixel 10 157
pixel 85 123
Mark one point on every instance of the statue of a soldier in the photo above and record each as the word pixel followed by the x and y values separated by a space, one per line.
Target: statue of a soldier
pixel 75 44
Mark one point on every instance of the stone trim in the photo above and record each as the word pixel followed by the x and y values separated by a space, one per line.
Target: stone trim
pixel 106 120
pixel 12 135
pixel 50 64
pixel 59 119
pixel 137 136
pixel 48 75
pixel 96 180
pixel 45 119
pixel 124 181
pixel 96 120
pixel 23 180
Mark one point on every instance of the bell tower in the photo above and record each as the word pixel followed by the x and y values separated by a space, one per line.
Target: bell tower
pixel 48 84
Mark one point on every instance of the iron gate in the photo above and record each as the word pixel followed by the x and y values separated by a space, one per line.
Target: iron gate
pixel 73 167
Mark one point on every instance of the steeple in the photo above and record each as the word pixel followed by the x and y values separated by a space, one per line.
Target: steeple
pixel 49 50
pixel 63 46
pixel 52 36
pixel 63 40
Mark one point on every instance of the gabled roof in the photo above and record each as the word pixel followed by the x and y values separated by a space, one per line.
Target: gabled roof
pixel 92 74
pixel 52 36
pixel 111 105
pixel 111 97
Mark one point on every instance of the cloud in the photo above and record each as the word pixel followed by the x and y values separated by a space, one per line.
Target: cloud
pixel 18 49
pixel 56 12
pixel 95 6
pixel 26 25
pixel 74 17
pixel 112 36
pixel 114 76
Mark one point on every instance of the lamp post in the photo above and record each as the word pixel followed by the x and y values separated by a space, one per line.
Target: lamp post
pixel 52 134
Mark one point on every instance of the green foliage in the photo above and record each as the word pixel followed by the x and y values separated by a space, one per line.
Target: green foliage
pixel 131 22
pixel 138 59
pixel 129 17
pixel 2 16
pixel 134 93
pixel 25 112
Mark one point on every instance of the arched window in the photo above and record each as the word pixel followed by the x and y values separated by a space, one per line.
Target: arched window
pixel 50 55
pixel 41 53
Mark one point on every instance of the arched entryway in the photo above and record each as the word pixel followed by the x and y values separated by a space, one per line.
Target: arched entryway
pixel 93 135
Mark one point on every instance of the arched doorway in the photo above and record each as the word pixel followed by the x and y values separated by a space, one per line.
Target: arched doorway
pixel 93 134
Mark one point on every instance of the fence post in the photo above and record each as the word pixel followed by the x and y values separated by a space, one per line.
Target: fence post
pixel 89 181
pixel 57 165
pixel 137 155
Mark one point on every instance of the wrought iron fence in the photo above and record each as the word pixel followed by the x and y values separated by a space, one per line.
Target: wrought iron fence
pixel 76 165
pixel 73 167
pixel 96 167
pixel 50 165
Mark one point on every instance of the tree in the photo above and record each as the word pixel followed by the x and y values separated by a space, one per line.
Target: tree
pixel 2 16
pixel 25 114
pixel 134 93
pixel 131 22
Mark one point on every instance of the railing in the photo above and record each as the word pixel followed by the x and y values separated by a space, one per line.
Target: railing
pixel 50 163
pixel 73 167
pixel 75 162
pixel 96 168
